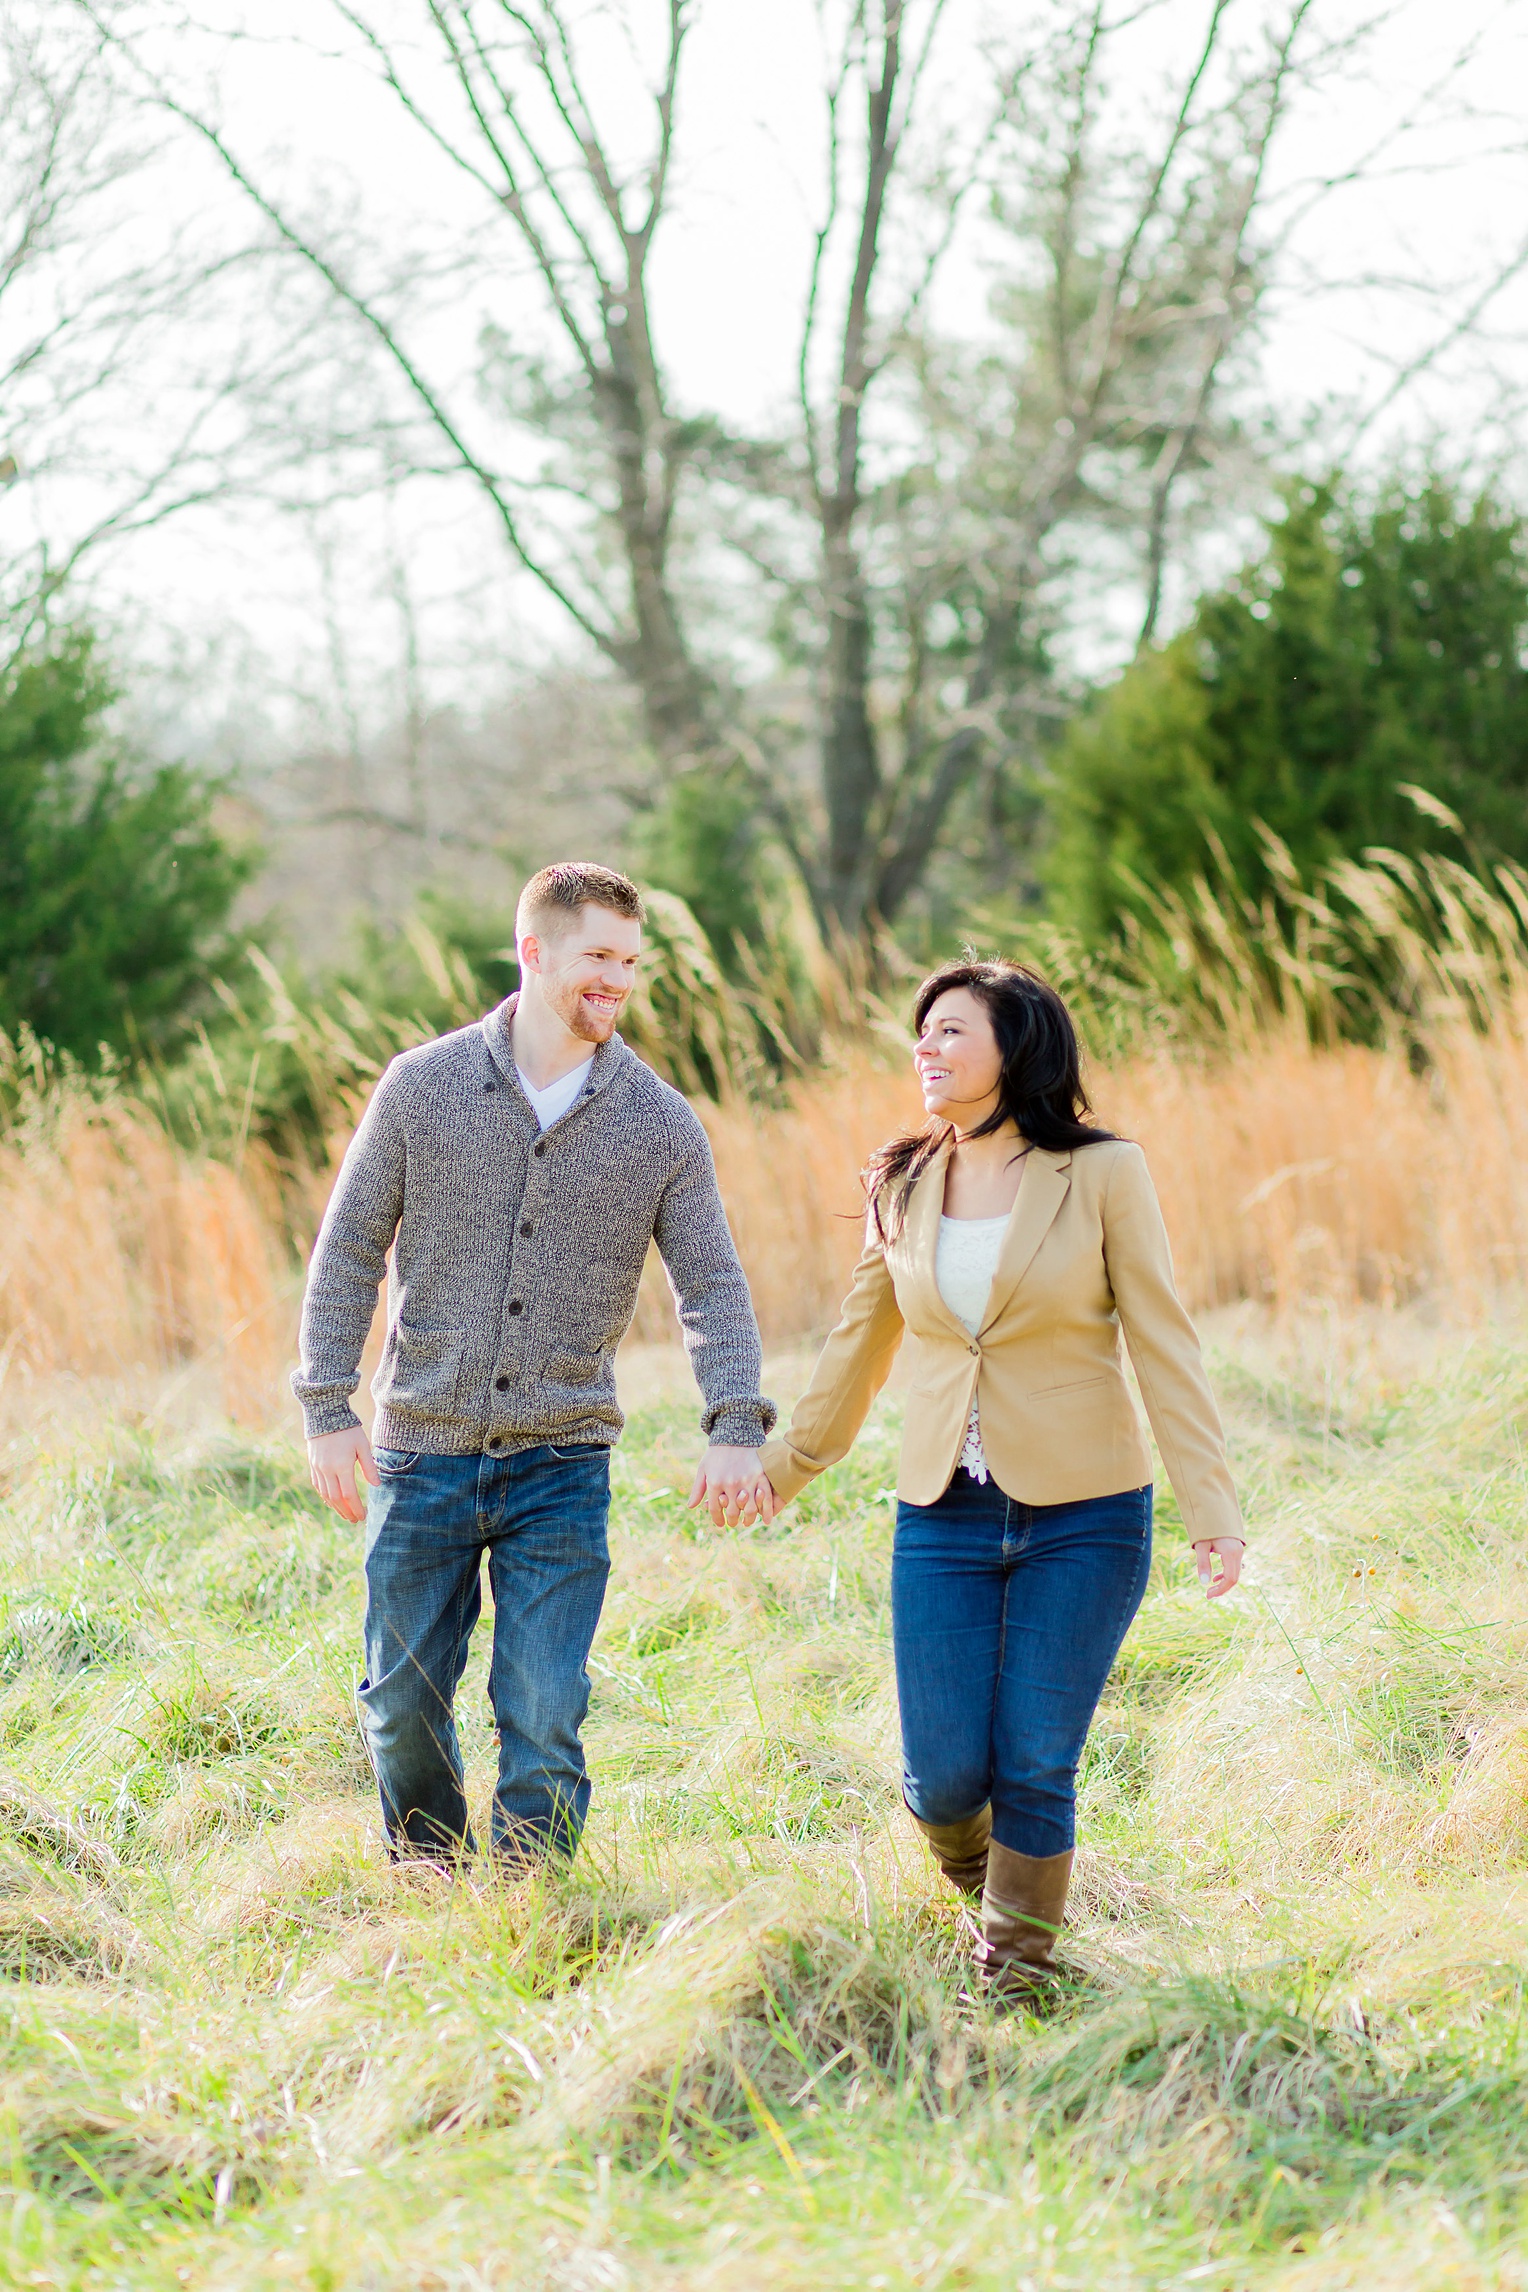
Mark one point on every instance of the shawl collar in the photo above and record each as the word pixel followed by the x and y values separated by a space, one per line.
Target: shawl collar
pixel 610 1059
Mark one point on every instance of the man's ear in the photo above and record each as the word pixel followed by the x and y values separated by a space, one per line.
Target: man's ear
pixel 528 952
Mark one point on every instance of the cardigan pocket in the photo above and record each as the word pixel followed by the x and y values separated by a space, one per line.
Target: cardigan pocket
pixel 420 1370
pixel 574 1368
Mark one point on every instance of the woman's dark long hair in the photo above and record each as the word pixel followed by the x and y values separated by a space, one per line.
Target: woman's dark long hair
pixel 1039 1088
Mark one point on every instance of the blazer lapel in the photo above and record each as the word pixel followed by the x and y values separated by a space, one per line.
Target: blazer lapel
pixel 1042 1190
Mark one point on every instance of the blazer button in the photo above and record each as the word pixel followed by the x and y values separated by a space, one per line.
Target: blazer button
pixel 974 1348
pixel 516 1307
pixel 501 1384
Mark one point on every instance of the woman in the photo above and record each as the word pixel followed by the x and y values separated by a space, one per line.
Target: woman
pixel 1012 1242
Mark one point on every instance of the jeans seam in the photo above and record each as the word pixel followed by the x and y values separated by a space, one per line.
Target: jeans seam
pixel 1136 1593
pixel 459 1666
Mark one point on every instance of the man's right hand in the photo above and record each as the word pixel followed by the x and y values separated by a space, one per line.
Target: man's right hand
pixel 333 1463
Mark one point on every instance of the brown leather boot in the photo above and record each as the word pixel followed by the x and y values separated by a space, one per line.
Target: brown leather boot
pixel 1022 1905
pixel 960 1848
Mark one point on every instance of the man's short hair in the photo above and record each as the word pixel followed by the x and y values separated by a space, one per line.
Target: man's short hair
pixel 556 895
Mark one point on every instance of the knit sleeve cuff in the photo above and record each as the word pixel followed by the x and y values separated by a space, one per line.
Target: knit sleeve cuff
pixel 325 1413
pixel 739 1424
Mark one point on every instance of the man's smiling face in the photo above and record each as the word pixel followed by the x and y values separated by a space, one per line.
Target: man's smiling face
pixel 587 969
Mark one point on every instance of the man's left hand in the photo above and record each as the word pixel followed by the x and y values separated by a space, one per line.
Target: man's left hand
pixel 731 1485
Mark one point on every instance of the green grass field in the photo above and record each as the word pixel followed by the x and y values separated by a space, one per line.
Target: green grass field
pixel 731 2048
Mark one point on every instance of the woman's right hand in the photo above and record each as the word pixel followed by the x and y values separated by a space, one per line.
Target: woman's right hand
pixel 1229 1550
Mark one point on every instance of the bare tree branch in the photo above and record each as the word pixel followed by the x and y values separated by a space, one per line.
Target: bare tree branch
pixel 376 324
pixel 1176 446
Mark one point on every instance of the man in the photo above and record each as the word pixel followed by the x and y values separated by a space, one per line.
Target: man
pixel 518 1170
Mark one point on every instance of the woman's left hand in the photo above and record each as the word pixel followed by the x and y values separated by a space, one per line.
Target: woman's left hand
pixel 1229 1550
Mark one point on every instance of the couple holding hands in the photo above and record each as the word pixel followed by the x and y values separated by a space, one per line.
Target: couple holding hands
pixel 518 1170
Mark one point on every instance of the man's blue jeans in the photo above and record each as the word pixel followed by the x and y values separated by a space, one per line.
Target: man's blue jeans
pixel 541 1517
pixel 1006 1618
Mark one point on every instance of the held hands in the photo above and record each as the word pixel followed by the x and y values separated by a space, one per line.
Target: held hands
pixel 1228 1550
pixel 333 1463
pixel 731 1488
pixel 729 1484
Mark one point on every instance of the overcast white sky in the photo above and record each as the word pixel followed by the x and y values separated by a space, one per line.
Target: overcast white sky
pixel 730 265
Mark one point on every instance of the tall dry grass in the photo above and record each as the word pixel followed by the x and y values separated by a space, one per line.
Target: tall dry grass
pixel 1287 1171
pixel 120 1252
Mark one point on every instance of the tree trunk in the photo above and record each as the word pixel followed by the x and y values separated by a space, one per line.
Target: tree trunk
pixel 851 772
pixel 850 766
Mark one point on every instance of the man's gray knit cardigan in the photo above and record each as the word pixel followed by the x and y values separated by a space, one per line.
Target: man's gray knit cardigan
pixel 517 1255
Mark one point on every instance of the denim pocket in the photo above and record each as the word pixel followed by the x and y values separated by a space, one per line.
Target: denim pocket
pixel 395 1463
pixel 582 1451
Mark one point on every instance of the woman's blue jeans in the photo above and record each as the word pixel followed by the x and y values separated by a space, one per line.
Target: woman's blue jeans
pixel 1006 1618
pixel 541 1517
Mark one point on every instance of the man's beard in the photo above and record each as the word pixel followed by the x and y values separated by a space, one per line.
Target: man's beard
pixel 568 1003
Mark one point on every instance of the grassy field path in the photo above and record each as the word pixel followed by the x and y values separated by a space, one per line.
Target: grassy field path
pixel 731 2048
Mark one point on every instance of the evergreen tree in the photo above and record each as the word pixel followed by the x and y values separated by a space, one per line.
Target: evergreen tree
pixel 1371 650
pixel 114 884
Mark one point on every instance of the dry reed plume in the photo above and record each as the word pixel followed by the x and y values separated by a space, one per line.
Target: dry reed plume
pixel 1287 1171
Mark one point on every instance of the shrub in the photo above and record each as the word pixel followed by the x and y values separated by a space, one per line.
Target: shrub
pixel 1361 686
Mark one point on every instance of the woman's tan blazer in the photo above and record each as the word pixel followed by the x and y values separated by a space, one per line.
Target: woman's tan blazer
pixel 1084 1259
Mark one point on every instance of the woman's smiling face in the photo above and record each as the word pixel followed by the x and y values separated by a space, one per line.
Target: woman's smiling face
pixel 957 1059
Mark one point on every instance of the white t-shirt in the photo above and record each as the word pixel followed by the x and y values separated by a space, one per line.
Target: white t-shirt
pixel 964 1264
pixel 553 1102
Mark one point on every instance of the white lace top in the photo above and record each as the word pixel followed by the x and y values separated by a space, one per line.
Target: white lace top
pixel 964 1264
